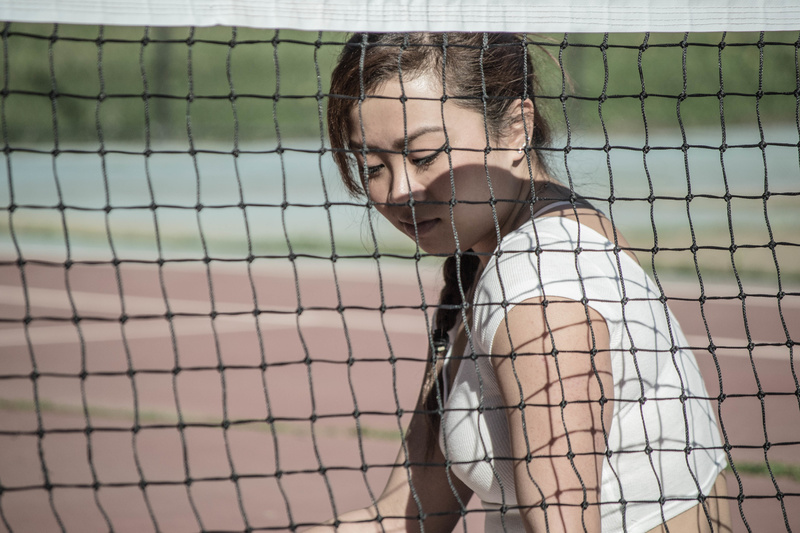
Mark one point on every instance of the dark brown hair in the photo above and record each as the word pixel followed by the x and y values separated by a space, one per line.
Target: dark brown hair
pixel 489 73
pixel 486 72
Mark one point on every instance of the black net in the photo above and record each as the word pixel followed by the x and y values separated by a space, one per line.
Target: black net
pixel 202 330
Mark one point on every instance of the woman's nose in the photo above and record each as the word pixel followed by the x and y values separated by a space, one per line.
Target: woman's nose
pixel 406 184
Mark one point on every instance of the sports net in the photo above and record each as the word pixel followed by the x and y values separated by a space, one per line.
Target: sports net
pixel 202 331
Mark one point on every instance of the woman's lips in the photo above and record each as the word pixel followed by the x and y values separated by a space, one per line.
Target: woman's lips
pixel 423 227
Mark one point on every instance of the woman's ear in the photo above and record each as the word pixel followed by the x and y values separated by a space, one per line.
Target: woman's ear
pixel 521 127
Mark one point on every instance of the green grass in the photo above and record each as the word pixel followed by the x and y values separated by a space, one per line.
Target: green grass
pixel 153 417
pixel 146 417
pixel 752 264
pixel 203 87
pixel 779 469
pixel 222 83
pixel 134 241
pixel 652 67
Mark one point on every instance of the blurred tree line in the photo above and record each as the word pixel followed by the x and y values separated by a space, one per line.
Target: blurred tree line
pixel 77 84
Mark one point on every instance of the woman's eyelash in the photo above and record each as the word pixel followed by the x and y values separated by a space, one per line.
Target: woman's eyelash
pixel 423 162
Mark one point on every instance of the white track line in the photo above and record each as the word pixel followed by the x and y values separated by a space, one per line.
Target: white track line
pixel 405 274
pixel 106 332
pixel 93 331
pixel 738 348
pixel 100 332
pixel 356 319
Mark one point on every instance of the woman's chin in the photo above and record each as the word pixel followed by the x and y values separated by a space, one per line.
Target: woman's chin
pixel 431 236
pixel 436 248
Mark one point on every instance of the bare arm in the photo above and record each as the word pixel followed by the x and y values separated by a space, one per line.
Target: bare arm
pixel 418 484
pixel 560 423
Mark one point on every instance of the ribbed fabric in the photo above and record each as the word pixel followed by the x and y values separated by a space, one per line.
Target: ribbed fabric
pixel 647 405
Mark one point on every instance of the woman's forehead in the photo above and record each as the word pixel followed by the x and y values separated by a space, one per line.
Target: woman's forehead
pixel 413 86
pixel 385 109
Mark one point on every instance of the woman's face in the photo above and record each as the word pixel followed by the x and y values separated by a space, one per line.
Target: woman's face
pixel 414 192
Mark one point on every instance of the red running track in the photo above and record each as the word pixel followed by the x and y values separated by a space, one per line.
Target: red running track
pixel 140 477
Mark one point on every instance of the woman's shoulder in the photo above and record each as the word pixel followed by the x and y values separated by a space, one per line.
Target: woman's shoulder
pixel 541 252
pixel 572 257
pixel 566 229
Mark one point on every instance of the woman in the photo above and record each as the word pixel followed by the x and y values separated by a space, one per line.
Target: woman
pixel 558 389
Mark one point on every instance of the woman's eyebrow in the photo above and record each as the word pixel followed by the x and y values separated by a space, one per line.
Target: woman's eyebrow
pixel 400 143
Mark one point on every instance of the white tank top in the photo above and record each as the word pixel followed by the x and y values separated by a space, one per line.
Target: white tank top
pixel 473 441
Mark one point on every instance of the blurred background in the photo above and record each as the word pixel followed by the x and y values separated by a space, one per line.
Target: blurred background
pixel 156 122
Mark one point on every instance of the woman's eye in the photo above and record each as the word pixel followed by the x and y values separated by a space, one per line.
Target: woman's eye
pixel 373 170
pixel 424 162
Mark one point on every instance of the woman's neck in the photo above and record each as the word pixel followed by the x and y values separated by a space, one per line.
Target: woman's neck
pixel 546 192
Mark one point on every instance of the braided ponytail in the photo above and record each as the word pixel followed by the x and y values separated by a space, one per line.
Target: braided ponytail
pixel 459 272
